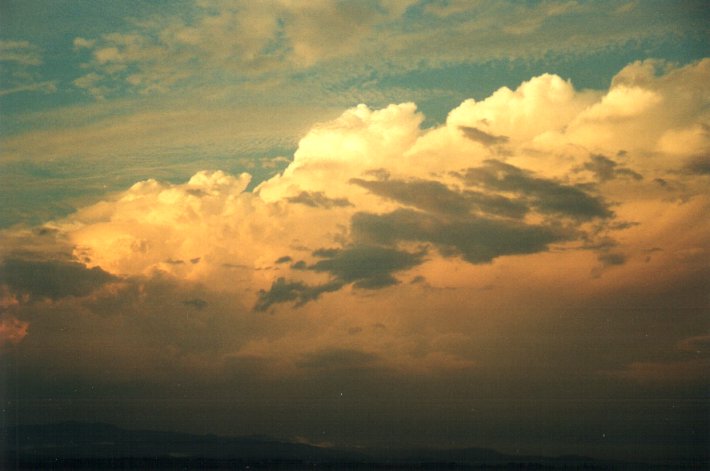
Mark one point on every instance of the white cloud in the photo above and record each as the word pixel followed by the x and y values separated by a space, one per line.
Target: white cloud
pixel 647 106
pixel 542 104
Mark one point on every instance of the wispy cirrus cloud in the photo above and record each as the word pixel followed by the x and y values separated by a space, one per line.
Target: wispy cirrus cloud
pixel 341 40
pixel 20 52
pixel 245 38
pixel 18 63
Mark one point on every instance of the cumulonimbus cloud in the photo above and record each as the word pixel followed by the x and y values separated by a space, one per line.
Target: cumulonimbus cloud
pixel 374 205
pixel 491 190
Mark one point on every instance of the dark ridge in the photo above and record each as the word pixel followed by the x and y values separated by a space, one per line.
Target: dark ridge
pixel 75 445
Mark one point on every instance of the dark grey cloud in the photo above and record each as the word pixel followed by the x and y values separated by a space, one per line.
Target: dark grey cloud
pixel 317 199
pixel 606 169
pixel 283 291
pixel 196 192
pixel 424 194
pixel 299 265
pixel 475 239
pixel 236 265
pixel 698 165
pixel 326 252
pixel 284 259
pixel 482 137
pixel 368 267
pixel 603 167
pixel 478 224
pixel 612 258
pixel 337 359
pixel 436 197
pixel 196 303
pixel 627 172
pixel 660 181
pixel 497 205
pixel 45 231
pixel 547 196
pixel 52 279
pixel 671 185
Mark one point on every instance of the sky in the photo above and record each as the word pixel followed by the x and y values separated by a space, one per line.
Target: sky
pixel 360 223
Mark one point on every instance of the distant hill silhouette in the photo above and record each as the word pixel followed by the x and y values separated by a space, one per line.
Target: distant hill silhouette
pixel 74 445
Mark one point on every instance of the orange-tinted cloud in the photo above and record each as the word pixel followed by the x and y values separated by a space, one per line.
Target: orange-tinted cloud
pixel 519 205
pixel 12 330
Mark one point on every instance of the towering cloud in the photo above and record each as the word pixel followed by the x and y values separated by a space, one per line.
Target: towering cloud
pixel 530 226
pixel 518 173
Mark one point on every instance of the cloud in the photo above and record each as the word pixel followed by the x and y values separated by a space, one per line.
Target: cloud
pixel 462 276
pixel 282 291
pixel 370 205
pixel 20 52
pixel 318 200
pixel 131 141
pixel 249 39
pixel 80 43
pixel 368 267
pixel 647 108
pixel 427 195
pixel 337 359
pixel 548 196
pixel 19 61
pixel 211 42
pixel 538 105
pixel 46 87
pixel 482 137
pixel 437 187
pixel 52 279
pixel 12 330
pixel 699 165
pixel 606 169
pixel 196 303
pixel 612 258
pixel 476 239
pixel 699 345
pixel 322 30
pixel 672 372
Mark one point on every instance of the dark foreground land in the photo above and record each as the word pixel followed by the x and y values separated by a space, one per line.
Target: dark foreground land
pixel 101 446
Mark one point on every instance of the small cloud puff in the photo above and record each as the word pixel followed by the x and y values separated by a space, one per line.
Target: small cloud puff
pixel 12 330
